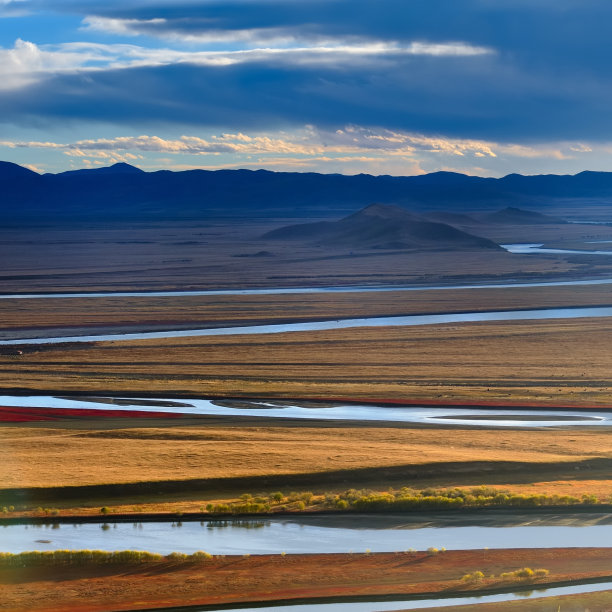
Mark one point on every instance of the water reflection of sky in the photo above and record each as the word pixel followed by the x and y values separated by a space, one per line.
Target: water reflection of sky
pixel 398 321
pixel 270 409
pixel 411 604
pixel 301 290
pixel 352 533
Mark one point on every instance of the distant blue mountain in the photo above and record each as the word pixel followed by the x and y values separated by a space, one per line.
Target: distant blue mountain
pixel 124 192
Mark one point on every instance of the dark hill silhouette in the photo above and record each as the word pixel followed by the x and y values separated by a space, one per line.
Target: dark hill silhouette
pixel 383 227
pixel 123 192
pixel 517 216
pixel 118 168
pixel 9 171
pixel 451 218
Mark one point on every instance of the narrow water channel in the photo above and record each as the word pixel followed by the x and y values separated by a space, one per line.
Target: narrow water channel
pixel 439 415
pixel 400 604
pixel 331 289
pixel 541 314
pixel 319 534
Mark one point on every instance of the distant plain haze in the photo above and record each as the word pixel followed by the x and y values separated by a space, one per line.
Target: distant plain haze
pixel 384 87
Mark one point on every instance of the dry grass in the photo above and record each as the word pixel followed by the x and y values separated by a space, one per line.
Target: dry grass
pixel 175 255
pixel 273 577
pixel 68 454
pixel 565 361
pixel 149 312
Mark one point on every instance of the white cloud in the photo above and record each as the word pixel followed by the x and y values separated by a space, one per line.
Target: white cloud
pixel 308 142
pixel 349 149
pixel 12 8
pixel 27 62
pixel 207 34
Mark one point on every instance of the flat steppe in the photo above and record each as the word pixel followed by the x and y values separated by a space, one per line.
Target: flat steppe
pixel 224 253
pixel 544 363
pixel 158 465
pixel 276 577
pixel 555 362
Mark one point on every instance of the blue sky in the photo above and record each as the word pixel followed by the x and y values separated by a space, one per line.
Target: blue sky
pixel 400 87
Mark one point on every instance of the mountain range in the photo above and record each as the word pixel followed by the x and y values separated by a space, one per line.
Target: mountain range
pixel 122 191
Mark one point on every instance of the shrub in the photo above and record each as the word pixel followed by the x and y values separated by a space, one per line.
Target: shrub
pixel 476 576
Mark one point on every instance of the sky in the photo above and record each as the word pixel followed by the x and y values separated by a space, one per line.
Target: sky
pixel 400 87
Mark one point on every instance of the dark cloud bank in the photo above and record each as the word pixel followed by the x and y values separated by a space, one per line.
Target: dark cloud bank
pixel 547 77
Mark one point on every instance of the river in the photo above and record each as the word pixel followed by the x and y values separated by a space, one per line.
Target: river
pixel 330 289
pixel 541 314
pixel 321 534
pixel 438 415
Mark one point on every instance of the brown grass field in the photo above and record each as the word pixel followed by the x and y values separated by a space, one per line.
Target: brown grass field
pixel 275 577
pixel 557 362
pixel 194 461
pixel 34 316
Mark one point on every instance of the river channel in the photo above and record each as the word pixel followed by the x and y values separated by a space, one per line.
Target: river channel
pixel 438 415
pixel 541 314
pixel 332 289
pixel 400 604
pixel 537 247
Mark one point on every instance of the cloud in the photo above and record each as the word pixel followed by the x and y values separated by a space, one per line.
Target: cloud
pixel 27 62
pixel 478 71
pixel 12 8
pixel 354 143
pixel 266 36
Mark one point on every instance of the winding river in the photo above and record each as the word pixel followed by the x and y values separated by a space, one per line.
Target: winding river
pixel 541 314
pixel 477 417
pixel 538 247
pixel 516 248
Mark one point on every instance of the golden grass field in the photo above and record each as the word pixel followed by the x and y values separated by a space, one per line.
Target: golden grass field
pixel 524 362
pixel 556 362
pixel 320 456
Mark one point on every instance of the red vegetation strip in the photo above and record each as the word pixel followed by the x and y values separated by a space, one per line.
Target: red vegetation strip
pixel 25 415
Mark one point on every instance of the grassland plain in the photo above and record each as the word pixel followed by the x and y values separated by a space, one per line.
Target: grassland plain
pixel 557 362
pixel 213 255
pixel 285 577
pixel 147 312
pixel 170 466
pixel 546 363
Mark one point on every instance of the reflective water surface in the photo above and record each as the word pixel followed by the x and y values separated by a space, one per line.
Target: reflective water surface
pixel 401 321
pixel 299 290
pixel 538 247
pixel 320 534
pixel 477 417
pixel 411 604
